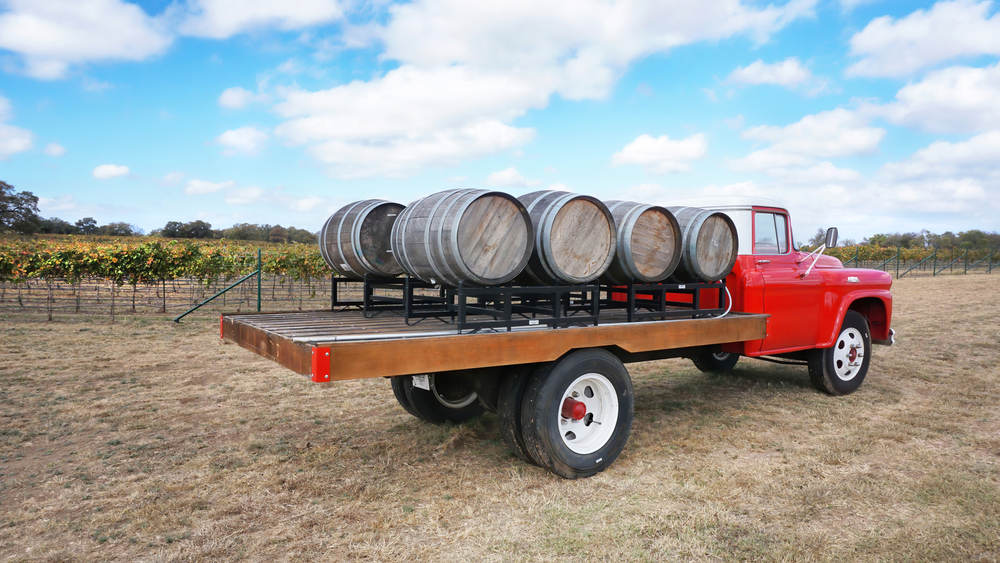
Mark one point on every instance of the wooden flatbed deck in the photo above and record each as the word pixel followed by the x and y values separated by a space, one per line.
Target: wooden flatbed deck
pixel 341 345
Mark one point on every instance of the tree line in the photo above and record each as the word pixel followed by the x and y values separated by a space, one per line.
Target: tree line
pixel 19 214
pixel 967 240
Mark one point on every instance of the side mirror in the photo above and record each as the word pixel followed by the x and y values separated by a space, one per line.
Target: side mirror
pixel 831 237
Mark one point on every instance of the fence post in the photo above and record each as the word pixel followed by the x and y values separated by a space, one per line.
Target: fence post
pixel 897 261
pixel 258 279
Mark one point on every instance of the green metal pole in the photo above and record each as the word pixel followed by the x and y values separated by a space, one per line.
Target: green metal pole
pixel 897 262
pixel 259 268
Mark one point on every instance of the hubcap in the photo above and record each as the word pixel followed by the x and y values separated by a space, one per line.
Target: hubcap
pixel 593 397
pixel 720 356
pixel 848 354
pixel 452 396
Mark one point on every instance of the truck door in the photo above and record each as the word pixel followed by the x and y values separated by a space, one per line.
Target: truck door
pixel 791 300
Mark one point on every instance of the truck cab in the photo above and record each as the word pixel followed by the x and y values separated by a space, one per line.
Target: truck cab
pixel 808 296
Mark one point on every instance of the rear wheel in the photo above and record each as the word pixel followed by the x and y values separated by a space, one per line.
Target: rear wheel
pixel 399 391
pixel 450 399
pixel 576 414
pixel 841 369
pixel 509 412
pixel 715 360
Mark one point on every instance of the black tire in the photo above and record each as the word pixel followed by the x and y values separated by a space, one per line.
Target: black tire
pixel 714 360
pixel 547 434
pixel 399 392
pixel 449 400
pixel 836 370
pixel 509 412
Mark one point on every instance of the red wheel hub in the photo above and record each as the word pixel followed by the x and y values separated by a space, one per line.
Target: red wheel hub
pixel 852 356
pixel 571 408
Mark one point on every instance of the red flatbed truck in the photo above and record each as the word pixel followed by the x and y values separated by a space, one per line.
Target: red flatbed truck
pixel 559 385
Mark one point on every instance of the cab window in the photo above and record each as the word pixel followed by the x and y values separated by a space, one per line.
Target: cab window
pixel 770 233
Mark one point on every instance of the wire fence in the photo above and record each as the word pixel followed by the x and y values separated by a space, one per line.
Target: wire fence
pixel 169 297
pixel 98 297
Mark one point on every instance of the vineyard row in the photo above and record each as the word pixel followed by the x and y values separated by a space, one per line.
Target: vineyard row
pixel 145 262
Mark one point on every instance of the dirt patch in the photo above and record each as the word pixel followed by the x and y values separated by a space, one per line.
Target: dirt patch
pixel 149 441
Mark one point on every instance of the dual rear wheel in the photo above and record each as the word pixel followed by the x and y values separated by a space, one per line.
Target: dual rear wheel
pixel 449 399
pixel 572 417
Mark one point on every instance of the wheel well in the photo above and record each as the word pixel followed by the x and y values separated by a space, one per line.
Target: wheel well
pixel 873 310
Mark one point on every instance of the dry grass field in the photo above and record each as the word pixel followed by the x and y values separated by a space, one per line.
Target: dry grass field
pixel 149 441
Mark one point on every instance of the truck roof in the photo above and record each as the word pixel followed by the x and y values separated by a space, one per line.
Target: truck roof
pixel 726 202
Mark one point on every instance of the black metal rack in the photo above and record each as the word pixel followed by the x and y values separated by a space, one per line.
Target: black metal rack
pixel 473 308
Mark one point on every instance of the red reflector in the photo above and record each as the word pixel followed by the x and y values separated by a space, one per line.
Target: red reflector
pixel 571 408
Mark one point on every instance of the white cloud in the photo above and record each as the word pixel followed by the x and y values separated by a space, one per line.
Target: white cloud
pixel 978 158
pixel 50 36
pixel 96 86
pixel 239 98
pixel 849 5
pixel 737 189
pixel 467 70
pixel 220 19
pixel 662 155
pixel 173 178
pixel 51 206
pixel 243 196
pixel 947 31
pixel 835 133
pixel 510 178
pixel 14 140
pixel 200 187
pixel 53 149
pixel 307 204
pixel 788 73
pixel 245 140
pixel 108 171
pixel 952 100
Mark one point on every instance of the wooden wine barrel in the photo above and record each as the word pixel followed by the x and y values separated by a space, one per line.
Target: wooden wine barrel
pixel 709 246
pixel 649 243
pixel 356 239
pixel 574 238
pixel 466 235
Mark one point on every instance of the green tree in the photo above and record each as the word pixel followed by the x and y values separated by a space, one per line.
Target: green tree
pixel 301 236
pixel 195 229
pixel 119 229
pixel 56 226
pixel 87 225
pixel 18 210
pixel 172 229
pixel 277 234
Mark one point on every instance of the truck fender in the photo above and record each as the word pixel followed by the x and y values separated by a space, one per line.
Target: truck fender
pixel 874 305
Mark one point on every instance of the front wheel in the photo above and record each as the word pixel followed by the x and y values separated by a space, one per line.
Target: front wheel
pixel 841 369
pixel 715 360
pixel 576 415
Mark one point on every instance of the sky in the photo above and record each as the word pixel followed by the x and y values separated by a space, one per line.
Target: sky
pixel 871 116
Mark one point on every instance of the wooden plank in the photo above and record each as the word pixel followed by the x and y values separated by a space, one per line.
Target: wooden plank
pixel 294 356
pixel 357 360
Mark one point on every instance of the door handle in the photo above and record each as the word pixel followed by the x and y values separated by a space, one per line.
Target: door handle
pixel 763 261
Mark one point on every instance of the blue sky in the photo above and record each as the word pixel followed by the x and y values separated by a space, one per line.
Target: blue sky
pixel 874 116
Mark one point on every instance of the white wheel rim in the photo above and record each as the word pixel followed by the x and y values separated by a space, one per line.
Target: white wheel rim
pixel 598 425
pixel 452 404
pixel 848 354
pixel 721 356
